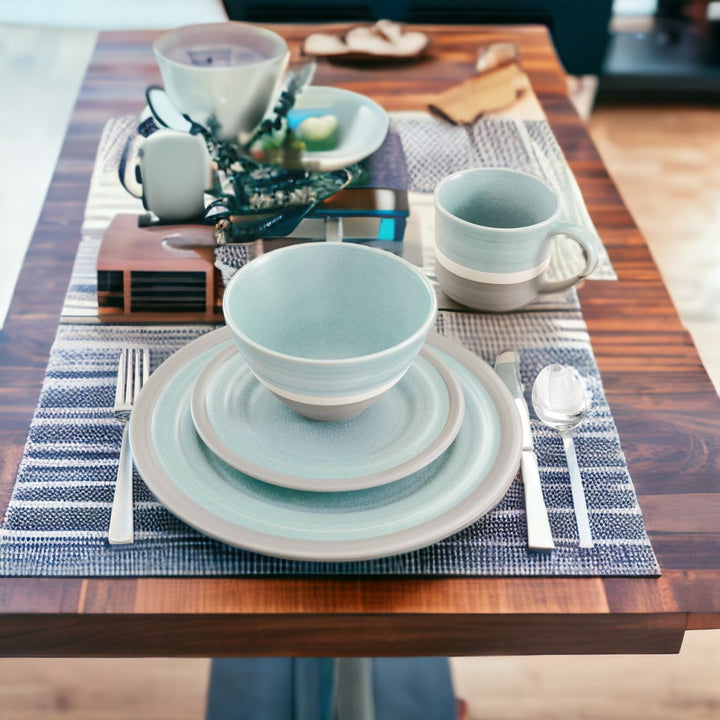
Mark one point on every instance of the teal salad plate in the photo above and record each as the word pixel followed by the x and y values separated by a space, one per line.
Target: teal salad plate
pixel 245 425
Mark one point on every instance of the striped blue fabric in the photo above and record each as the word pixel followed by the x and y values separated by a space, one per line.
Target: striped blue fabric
pixel 58 516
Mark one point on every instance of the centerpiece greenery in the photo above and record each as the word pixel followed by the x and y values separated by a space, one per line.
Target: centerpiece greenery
pixel 261 187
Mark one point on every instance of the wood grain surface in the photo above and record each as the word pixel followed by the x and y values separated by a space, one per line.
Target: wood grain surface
pixel 665 407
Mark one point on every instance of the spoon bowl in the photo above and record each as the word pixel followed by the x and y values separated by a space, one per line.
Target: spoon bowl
pixel 559 397
pixel 560 402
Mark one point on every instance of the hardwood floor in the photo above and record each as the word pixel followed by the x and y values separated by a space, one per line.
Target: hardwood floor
pixel 666 162
pixel 117 689
pixel 626 687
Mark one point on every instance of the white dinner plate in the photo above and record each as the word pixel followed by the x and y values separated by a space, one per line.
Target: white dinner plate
pixel 463 484
pixel 363 125
pixel 249 428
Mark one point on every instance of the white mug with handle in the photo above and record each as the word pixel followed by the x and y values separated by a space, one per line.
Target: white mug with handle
pixel 494 229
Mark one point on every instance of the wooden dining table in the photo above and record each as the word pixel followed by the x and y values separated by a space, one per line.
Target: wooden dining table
pixel 666 410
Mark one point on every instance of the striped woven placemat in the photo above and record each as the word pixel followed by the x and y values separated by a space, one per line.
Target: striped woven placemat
pixel 57 519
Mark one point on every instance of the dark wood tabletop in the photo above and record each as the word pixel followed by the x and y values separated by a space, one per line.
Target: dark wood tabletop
pixel 665 408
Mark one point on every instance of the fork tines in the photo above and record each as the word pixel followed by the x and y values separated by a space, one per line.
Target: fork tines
pixel 133 371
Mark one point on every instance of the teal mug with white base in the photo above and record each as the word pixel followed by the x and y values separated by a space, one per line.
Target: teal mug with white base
pixel 494 231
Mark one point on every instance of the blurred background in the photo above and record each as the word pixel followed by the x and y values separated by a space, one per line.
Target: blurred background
pixel 645 77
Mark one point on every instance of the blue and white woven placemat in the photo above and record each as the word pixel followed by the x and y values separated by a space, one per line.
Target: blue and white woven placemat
pixel 57 520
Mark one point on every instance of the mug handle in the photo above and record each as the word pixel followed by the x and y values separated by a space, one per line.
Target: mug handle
pixel 588 241
pixel 128 170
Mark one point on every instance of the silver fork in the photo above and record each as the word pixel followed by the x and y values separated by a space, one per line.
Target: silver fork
pixel 133 371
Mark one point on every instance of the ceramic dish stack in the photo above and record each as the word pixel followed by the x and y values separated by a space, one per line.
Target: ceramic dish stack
pixel 234 462
pixel 434 451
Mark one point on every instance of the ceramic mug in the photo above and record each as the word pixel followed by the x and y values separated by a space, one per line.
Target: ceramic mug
pixel 231 71
pixel 493 238
pixel 174 171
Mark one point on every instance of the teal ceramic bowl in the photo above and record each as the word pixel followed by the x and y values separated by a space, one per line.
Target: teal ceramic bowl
pixel 329 327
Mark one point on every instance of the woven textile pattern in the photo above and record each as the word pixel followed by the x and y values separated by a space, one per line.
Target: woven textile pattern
pixel 58 516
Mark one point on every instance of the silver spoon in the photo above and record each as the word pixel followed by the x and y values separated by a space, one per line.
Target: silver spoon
pixel 560 402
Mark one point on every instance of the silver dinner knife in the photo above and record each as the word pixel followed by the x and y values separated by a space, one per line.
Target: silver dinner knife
pixel 539 534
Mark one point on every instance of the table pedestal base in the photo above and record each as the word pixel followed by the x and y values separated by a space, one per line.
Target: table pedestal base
pixel 331 689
